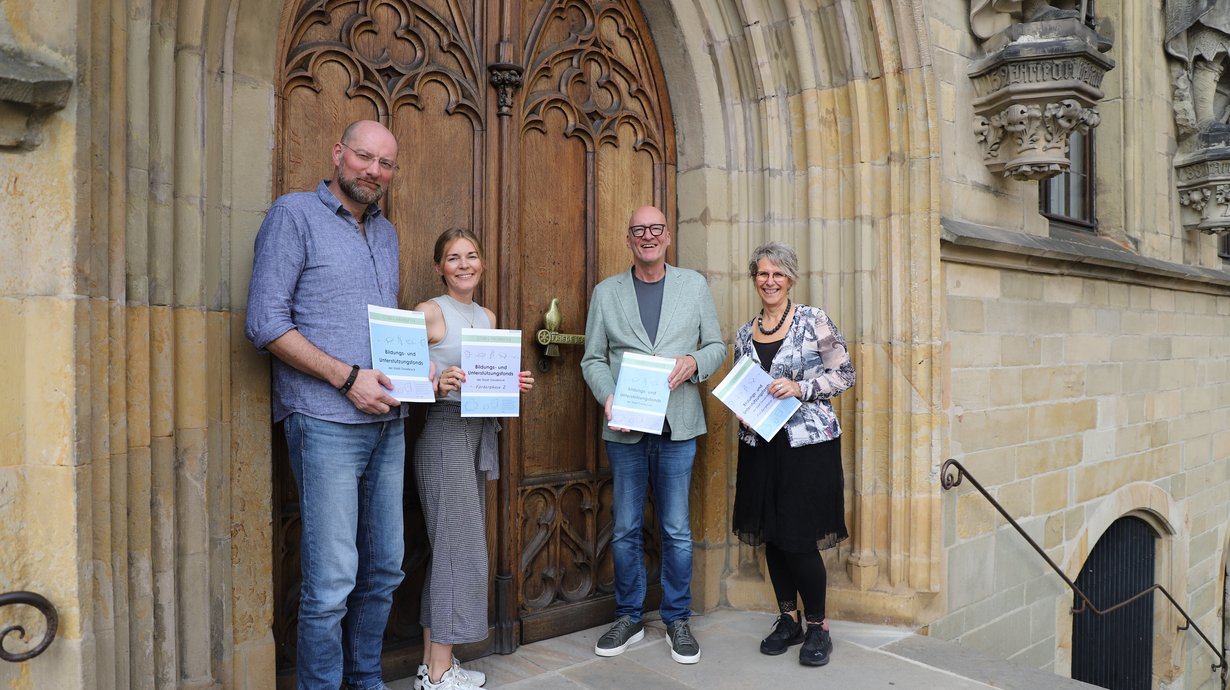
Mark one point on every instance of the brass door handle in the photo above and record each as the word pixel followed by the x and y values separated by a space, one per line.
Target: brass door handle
pixel 553 340
pixel 550 337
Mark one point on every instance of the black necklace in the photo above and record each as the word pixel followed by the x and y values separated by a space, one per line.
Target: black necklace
pixel 778 327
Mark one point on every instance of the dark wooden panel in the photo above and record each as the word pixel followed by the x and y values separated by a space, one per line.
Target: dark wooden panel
pixel 552 260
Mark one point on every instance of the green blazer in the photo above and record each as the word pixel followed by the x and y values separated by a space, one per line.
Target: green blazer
pixel 688 326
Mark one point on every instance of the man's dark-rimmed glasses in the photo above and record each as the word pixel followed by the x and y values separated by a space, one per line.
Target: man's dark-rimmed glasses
pixel 638 231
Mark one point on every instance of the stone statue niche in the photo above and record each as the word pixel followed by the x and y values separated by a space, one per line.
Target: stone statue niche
pixel 1038 82
pixel 1197 43
pixel 989 17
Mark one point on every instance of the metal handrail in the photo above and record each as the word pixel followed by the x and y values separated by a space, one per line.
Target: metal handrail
pixel 44 607
pixel 949 482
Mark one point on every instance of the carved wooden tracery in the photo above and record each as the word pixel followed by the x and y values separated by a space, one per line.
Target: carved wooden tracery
pixel 587 60
pixel 566 532
pixel 391 49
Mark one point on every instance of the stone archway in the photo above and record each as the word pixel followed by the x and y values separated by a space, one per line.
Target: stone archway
pixel 805 120
pixel 814 123
pixel 1154 506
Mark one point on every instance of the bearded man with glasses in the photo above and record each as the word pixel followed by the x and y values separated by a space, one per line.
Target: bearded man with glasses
pixel 654 309
pixel 322 257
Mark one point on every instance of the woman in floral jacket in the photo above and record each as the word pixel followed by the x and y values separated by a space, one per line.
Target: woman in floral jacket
pixel 788 490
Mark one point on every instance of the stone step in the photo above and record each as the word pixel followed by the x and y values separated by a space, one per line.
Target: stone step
pixel 975 665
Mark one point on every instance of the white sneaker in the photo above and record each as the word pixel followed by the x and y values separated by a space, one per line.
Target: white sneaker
pixel 472 676
pixel 451 680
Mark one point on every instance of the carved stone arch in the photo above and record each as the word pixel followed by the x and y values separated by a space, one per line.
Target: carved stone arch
pixel 817 125
pixel 1168 518
pixel 1140 499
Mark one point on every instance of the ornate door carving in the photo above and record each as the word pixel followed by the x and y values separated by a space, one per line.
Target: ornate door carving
pixel 540 124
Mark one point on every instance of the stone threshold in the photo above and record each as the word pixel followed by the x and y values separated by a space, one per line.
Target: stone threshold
pixel 864 656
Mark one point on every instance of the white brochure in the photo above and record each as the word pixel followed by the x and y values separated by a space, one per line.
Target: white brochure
pixel 641 393
pixel 491 359
pixel 399 349
pixel 745 390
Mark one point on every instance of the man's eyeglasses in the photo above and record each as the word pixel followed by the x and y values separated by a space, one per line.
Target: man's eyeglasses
pixel 366 159
pixel 638 231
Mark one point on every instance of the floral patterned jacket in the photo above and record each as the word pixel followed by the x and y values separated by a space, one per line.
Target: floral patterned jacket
pixel 814 354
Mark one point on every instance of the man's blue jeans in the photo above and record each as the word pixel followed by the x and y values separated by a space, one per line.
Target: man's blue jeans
pixel 350 479
pixel 665 465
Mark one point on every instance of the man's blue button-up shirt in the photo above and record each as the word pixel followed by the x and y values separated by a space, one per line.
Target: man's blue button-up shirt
pixel 314 270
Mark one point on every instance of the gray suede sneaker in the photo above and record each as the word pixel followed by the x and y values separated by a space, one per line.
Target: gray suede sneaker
pixel 684 648
pixel 623 633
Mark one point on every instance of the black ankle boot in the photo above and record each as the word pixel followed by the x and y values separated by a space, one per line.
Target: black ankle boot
pixel 787 632
pixel 817 646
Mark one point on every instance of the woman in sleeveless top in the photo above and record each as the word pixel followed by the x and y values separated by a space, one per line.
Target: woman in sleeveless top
pixel 453 459
pixel 788 490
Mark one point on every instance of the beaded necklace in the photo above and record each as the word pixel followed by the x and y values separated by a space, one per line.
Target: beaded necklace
pixel 778 327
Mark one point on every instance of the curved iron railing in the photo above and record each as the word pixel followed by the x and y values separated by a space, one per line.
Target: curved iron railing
pixel 44 607
pixel 949 481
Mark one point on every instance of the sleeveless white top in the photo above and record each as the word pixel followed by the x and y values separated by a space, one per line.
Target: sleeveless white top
pixel 447 352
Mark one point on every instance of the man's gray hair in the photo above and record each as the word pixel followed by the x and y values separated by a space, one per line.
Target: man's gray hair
pixel 779 253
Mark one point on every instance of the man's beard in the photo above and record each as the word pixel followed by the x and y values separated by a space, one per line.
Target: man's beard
pixel 356 191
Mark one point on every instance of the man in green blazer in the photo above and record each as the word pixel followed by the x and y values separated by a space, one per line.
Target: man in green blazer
pixel 661 310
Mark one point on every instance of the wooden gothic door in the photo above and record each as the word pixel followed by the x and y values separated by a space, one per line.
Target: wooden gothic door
pixel 540 124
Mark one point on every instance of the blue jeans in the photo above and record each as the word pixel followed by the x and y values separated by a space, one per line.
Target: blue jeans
pixel 350 480
pixel 665 465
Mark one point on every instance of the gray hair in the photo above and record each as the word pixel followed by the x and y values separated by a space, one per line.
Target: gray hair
pixel 779 253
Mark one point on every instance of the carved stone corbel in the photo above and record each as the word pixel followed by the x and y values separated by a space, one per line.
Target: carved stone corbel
pixel 1203 181
pixel 29 91
pixel 1039 83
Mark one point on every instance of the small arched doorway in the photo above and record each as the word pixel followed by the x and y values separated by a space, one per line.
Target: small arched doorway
pixel 1116 650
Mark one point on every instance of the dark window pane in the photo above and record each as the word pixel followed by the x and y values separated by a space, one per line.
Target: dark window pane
pixel 1068 198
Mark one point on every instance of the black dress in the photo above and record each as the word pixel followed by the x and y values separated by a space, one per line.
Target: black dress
pixel 790 497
